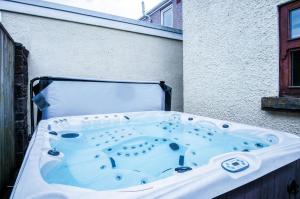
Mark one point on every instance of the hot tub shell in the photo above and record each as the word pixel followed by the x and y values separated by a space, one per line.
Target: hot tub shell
pixel 207 181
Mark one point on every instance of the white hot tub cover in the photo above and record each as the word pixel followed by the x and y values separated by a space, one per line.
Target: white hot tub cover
pixel 56 97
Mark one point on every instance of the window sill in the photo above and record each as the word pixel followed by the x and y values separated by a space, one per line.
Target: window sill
pixel 280 103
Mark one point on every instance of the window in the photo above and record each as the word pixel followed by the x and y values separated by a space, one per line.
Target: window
pixel 295 68
pixel 167 16
pixel 295 23
pixel 289 24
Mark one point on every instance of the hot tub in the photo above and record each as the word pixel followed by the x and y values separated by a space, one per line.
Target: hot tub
pixel 148 155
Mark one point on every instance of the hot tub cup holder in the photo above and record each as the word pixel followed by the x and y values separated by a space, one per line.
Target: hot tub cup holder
pixel 53 152
pixel 225 126
pixel 182 169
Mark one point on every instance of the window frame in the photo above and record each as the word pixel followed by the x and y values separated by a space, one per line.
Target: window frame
pixel 287 46
pixel 162 15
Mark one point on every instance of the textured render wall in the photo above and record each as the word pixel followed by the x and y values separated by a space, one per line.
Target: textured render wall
pixel 60 48
pixel 231 61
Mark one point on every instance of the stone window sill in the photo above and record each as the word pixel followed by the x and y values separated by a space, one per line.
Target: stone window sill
pixel 280 103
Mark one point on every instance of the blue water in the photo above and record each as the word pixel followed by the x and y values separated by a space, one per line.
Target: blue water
pixel 125 154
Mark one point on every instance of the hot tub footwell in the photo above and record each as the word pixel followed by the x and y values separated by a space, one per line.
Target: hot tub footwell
pixel 283 183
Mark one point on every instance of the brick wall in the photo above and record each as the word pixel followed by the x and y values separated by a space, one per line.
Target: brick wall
pixel 21 97
pixel 177 17
pixel 177 14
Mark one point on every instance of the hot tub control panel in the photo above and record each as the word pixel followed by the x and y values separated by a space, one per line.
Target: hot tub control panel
pixel 234 165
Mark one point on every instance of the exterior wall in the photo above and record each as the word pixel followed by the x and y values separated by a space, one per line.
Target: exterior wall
pixel 156 18
pixel 177 14
pixel 231 61
pixel 177 8
pixel 62 48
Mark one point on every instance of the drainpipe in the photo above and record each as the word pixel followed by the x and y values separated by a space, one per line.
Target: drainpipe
pixel 144 13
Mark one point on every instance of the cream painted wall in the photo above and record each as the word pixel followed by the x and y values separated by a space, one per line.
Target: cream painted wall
pixel 231 61
pixel 61 48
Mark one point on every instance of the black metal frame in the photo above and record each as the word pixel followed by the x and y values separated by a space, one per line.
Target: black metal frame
pixel 44 81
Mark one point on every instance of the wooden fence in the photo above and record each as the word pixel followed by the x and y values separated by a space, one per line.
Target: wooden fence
pixel 7 119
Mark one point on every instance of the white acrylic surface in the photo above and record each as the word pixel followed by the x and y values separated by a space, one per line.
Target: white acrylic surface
pixel 30 183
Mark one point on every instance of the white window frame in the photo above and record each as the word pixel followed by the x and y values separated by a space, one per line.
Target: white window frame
pixel 162 15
